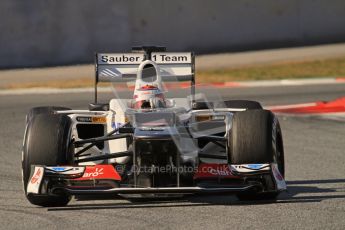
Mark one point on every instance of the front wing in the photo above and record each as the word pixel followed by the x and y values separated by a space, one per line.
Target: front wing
pixel 104 179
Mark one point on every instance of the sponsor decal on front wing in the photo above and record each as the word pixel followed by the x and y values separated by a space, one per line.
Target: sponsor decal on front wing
pixel 65 170
pixel 249 168
pixel 281 184
pixel 35 181
pixel 97 172
pixel 214 171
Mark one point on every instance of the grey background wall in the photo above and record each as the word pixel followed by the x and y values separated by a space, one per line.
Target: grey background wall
pixel 52 32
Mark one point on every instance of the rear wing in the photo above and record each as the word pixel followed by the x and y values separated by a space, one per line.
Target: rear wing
pixel 123 67
pixel 119 67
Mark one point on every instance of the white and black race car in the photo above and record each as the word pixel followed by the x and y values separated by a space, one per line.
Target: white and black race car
pixel 149 144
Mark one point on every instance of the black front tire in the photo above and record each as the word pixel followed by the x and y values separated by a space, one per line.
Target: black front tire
pixel 43 110
pixel 250 139
pixel 256 138
pixel 47 141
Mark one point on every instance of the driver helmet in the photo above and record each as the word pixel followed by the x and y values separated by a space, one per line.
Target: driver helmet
pixel 149 97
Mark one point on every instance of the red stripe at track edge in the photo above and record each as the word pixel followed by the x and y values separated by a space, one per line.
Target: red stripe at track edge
pixel 335 106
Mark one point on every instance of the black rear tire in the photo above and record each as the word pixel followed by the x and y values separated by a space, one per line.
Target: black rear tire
pixel 47 141
pixel 236 104
pixel 256 138
pixel 240 104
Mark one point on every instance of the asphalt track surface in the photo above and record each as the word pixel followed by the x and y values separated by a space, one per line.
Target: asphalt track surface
pixel 315 174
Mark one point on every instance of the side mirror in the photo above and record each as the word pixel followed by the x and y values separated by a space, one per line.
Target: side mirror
pixel 98 107
pixel 170 103
pixel 202 105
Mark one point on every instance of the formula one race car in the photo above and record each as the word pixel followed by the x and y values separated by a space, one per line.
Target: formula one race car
pixel 149 145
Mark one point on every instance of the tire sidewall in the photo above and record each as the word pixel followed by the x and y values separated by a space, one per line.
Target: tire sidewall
pixel 277 145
